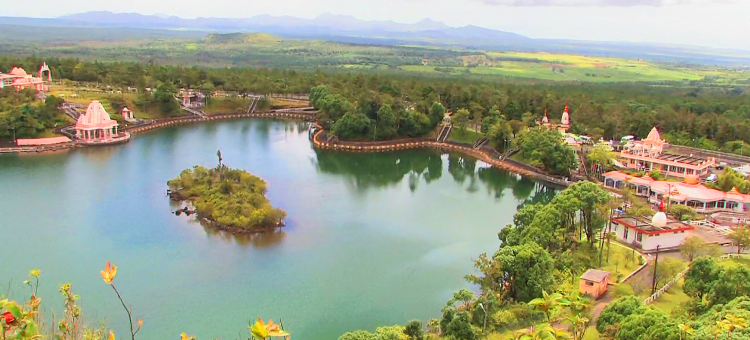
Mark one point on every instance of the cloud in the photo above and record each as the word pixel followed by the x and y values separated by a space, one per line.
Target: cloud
pixel 601 3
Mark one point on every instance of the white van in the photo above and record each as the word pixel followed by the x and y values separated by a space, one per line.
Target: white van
pixel 626 139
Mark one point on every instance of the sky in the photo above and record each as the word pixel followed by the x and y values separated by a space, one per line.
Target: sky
pixel 712 23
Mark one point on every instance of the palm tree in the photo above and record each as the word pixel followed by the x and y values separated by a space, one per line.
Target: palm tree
pixel 686 329
pixel 545 332
pixel 732 323
pixel 578 325
pixel 548 302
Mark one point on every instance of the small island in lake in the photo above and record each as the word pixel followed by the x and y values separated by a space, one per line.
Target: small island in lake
pixel 229 199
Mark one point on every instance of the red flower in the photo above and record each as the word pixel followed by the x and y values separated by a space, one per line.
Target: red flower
pixel 9 318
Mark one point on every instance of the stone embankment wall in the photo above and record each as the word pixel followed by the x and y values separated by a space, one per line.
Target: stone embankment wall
pixel 320 141
pixel 155 124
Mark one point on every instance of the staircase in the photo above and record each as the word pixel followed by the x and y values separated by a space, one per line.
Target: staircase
pixel 481 142
pixel 444 132
pixel 253 105
pixel 194 111
pixel 70 110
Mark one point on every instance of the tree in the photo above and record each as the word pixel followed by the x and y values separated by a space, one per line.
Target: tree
pixel 386 124
pixel 601 155
pixel 590 196
pixel 437 112
pixel 701 276
pixel 615 312
pixel 649 324
pixel 693 247
pixel 741 238
pixel 352 125
pixel 461 118
pixel 667 269
pixel 545 147
pixel 414 330
pixel 682 212
pixel 464 296
pixel 548 303
pixel 527 270
pixel 460 327
pixel 731 283
pixel 317 93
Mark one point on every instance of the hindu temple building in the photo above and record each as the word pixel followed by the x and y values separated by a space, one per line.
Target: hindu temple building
pixel 690 192
pixel 564 122
pixel 96 127
pixel 648 154
pixel 650 233
pixel 19 79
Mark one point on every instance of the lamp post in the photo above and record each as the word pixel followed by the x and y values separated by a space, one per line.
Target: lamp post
pixel 484 325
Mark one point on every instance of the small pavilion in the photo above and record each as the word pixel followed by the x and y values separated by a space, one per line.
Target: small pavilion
pixel 95 125
pixel 127 115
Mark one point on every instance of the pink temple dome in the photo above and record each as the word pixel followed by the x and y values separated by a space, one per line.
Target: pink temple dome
pixel 95 117
pixel 17 71
pixel 654 135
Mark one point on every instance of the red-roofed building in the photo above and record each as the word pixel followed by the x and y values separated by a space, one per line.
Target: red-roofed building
pixel 564 122
pixel 689 192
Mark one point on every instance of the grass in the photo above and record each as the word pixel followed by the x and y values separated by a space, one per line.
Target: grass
pixel 465 136
pixel 591 333
pixel 673 298
pixel 622 261
pixel 568 67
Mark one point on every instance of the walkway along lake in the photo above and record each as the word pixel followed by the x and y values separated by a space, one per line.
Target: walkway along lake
pixel 371 239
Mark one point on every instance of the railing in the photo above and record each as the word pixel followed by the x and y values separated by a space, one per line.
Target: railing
pixel 666 287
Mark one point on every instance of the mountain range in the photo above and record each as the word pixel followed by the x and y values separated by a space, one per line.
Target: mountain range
pixel 325 24
pixel 105 25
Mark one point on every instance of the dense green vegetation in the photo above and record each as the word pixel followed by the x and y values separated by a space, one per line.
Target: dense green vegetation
pixel 713 117
pixel 718 308
pixel 21 114
pixel 229 197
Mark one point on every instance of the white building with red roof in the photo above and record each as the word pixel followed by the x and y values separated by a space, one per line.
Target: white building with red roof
pixel 650 233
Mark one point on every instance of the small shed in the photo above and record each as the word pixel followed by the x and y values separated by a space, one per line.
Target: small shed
pixel 594 282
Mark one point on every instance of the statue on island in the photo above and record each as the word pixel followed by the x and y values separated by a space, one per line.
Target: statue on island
pixel 229 199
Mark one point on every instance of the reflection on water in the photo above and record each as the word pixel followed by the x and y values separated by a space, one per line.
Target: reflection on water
pixel 256 240
pixel 365 171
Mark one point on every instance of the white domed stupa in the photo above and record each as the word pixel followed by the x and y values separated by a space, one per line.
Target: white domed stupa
pixel 660 218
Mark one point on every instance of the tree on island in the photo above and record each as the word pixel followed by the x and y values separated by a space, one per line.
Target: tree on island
pixel 231 198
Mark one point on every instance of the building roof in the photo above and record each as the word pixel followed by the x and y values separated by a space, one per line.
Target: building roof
pixel 17 71
pixel 681 191
pixel 95 118
pixel 42 141
pixel 595 275
pixel 644 225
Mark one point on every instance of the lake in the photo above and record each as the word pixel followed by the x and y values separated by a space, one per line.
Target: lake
pixel 371 239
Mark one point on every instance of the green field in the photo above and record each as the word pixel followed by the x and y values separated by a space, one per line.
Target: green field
pixel 264 50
